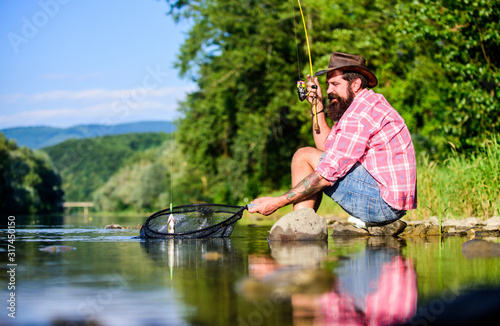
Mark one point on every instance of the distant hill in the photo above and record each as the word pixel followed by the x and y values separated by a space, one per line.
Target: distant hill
pixel 86 164
pixel 39 137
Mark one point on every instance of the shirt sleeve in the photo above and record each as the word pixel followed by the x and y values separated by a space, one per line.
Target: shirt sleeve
pixel 345 145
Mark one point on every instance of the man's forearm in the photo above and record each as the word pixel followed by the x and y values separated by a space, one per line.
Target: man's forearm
pixel 310 185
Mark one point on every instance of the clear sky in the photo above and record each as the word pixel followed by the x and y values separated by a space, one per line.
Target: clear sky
pixel 70 62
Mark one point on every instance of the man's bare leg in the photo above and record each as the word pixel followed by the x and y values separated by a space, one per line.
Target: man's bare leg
pixel 304 162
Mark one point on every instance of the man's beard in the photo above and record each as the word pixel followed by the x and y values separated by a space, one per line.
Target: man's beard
pixel 337 108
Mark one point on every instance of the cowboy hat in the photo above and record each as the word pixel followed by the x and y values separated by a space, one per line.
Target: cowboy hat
pixel 350 62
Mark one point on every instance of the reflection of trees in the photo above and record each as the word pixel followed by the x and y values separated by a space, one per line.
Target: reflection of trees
pixel 178 253
pixel 206 281
pixel 25 221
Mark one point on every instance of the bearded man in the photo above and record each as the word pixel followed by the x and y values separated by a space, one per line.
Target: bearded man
pixel 365 162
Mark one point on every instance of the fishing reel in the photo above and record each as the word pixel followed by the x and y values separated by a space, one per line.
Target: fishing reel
pixel 302 90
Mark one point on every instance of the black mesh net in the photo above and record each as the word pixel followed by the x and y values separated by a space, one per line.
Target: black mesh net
pixel 193 221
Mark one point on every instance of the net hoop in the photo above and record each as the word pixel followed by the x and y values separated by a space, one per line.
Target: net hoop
pixel 221 229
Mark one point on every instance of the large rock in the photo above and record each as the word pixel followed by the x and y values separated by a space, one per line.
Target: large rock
pixel 480 249
pixel 300 225
pixel 343 229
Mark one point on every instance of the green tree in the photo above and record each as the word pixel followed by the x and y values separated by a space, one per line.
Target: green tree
pixel 87 164
pixel 158 179
pixel 412 81
pixel 28 182
pixel 463 38
pixel 241 127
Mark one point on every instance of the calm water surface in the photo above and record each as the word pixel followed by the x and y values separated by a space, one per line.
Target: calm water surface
pixel 113 278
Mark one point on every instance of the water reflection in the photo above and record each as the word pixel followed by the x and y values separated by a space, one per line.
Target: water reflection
pixel 114 279
pixel 293 267
pixel 204 273
pixel 176 253
pixel 377 286
pixel 307 254
pixel 374 286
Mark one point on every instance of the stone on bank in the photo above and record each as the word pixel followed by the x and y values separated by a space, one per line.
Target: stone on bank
pixel 300 225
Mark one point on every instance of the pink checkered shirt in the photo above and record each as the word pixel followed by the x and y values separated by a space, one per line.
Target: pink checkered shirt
pixel 373 133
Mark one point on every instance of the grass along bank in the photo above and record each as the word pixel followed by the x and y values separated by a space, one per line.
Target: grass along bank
pixel 461 186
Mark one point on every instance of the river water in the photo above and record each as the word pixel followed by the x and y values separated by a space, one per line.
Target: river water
pixel 70 270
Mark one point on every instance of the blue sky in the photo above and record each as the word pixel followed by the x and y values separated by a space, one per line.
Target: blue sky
pixel 70 62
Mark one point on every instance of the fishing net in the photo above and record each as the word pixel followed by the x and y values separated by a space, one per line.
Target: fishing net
pixel 193 221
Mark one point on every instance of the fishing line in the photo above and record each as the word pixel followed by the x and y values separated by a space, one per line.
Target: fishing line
pixel 307 38
pixel 301 85
pixel 296 45
pixel 171 164
pixel 171 217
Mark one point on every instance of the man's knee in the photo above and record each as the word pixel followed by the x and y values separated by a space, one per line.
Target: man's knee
pixel 301 154
pixel 310 155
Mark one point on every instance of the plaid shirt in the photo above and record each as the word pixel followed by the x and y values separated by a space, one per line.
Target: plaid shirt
pixel 373 133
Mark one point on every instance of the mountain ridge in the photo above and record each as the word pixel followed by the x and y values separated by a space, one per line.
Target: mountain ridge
pixel 37 137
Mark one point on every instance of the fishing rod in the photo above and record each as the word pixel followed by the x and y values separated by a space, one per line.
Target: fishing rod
pixel 301 85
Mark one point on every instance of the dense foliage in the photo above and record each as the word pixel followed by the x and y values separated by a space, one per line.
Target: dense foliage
pixel 86 165
pixel 463 38
pixel 435 60
pixel 240 129
pixel 28 183
pixel 159 177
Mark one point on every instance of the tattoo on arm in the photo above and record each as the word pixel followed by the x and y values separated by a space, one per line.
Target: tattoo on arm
pixel 308 186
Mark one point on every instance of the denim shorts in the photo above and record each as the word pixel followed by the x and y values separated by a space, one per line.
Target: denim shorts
pixel 359 195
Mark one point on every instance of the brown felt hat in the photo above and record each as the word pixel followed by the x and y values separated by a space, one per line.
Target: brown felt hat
pixel 351 62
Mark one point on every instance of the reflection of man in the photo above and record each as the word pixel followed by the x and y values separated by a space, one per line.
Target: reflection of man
pixel 366 162
pixel 377 287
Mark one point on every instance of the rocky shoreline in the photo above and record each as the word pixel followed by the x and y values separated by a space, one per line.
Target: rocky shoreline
pixel 471 226
pixel 305 224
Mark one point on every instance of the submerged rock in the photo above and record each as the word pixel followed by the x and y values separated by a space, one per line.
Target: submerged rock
pixel 114 226
pixel 300 225
pixel 477 307
pixel 53 249
pixel 480 249
pixel 212 255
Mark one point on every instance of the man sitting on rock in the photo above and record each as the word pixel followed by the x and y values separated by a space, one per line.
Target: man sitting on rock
pixel 365 162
